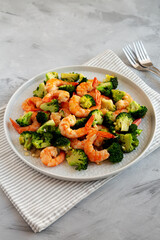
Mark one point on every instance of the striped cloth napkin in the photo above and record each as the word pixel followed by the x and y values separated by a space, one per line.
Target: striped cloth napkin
pixel 28 189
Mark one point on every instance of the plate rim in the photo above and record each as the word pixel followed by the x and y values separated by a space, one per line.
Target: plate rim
pixel 73 178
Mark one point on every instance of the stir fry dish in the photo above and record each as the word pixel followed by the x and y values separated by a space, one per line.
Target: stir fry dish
pixel 79 120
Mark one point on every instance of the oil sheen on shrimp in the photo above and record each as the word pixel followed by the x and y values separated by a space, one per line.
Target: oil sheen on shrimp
pixel 53 84
pixel 62 96
pixel 126 100
pixel 50 157
pixel 33 127
pixel 66 124
pixel 95 155
pixel 78 111
pixel 32 104
pixel 86 87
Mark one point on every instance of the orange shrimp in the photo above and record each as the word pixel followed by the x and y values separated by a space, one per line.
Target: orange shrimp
pixel 95 155
pixel 62 96
pixel 49 156
pixel 66 124
pixel 32 104
pixel 124 102
pixel 78 111
pixel 33 127
pixel 54 83
pixel 77 144
pixel 119 111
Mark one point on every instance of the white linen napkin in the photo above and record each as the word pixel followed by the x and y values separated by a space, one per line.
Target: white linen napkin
pixel 28 190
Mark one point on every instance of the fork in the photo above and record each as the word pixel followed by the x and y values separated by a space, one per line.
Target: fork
pixel 134 61
pixel 142 55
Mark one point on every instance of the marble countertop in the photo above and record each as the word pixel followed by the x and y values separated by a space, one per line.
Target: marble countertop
pixel 40 35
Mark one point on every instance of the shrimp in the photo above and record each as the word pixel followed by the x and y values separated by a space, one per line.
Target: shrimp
pixel 77 144
pixel 32 104
pixel 75 108
pixel 126 100
pixel 33 127
pixel 95 155
pixel 99 140
pixel 119 111
pixel 53 84
pixel 49 156
pixel 66 124
pixel 56 117
pixel 86 87
pixel 62 96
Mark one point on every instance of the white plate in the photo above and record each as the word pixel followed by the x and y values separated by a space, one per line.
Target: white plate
pixel 94 172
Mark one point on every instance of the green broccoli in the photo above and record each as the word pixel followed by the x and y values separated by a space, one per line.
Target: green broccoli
pixel 117 95
pixel 87 101
pixel 123 121
pixel 70 77
pixel 56 131
pixel 113 80
pixel 82 78
pixel 116 153
pixel 42 117
pixel 109 118
pixel 47 127
pixel 108 104
pixel 133 128
pixel 52 106
pixel 98 116
pixel 25 139
pixel 129 142
pixel 108 142
pixel 105 88
pixel 25 120
pixel 68 88
pixel 40 91
pixel 40 141
pixel 80 122
pixel 78 158
pixel 62 143
pixel 136 110
pixel 51 75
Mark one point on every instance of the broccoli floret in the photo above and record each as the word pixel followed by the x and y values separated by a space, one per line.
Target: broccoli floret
pixel 133 128
pixel 42 117
pixel 47 127
pixel 108 104
pixel 123 121
pixel 40 91
pixel 117 95
pixel 108 142
pixel 70 77
pixel 51 75
pixel 111 79
pixel 80 122
pixel 40 141
pixel 105 88
pixel 25 120
pixel 62 143
pixel 68 88
pixel 56 131
pixel 52 106
pixel 129 142
pixel 98 116
pixel 109 118
pixel 87 101
pixel 136 110
pixel 82 78
pixel 25 139
pixel 78 158
pixel 115 151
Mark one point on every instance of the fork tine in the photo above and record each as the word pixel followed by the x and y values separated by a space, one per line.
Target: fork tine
pixel 140 49
pixel 129 56
pixel 138 53
pixel 144 50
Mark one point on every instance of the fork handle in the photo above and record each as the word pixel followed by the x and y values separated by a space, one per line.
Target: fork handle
pixel 153 71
